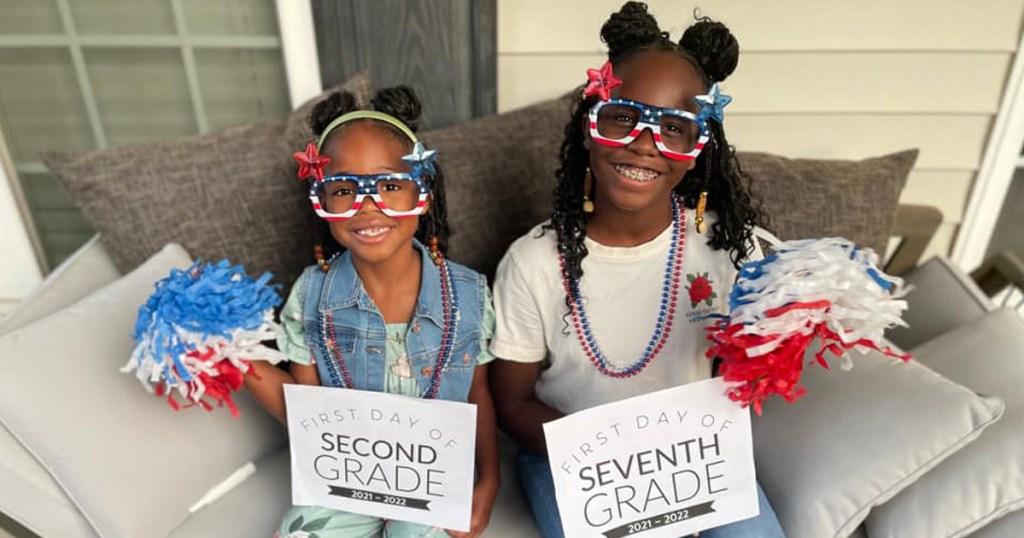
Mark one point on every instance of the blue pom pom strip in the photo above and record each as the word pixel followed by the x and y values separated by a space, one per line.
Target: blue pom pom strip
pixel 203 307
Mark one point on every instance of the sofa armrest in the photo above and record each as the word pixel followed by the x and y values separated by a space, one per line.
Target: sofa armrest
pixel 87 270
pixel 941 297
pixel 915 226
pixel 1002 270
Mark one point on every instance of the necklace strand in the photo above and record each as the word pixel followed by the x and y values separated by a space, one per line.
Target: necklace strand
pixel 666 313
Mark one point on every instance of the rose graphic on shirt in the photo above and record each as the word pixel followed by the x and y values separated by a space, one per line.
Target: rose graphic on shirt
pixel 700 289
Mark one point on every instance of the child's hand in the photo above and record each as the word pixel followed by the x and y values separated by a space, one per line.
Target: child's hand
pixel 483 501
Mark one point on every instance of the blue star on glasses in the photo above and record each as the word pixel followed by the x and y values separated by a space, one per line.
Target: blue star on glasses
pixel 421 160
pixel 712 104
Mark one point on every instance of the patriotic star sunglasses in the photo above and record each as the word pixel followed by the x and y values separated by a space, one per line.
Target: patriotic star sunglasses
pixel 678 134
pixel 396 195
pixel 340 196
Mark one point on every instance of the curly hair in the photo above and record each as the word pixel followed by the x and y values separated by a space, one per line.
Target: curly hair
pixel 714 53
pixel 402 103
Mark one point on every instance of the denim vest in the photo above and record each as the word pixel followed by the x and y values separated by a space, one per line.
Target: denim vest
pixel 336 302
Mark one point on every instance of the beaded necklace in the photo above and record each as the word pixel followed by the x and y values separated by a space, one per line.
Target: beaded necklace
pixel 666 313
pixel 338 370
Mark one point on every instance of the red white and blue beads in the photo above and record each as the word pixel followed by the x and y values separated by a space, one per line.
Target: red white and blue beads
pixel 336 367
pixel 338 370
pixel 450 308
pixel 666 313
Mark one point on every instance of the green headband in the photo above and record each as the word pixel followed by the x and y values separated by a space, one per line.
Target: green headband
pixel 365 114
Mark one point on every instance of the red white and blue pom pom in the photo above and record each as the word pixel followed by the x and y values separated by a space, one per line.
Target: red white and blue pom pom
pixel 199 331
pixel 826 289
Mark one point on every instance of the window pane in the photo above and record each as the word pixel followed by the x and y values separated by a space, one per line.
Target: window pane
pixel 30 17
pixel 142 94
pixel 231 17
pixel 61 226
pixel 40 104
pixel 135 17
pixel 242 85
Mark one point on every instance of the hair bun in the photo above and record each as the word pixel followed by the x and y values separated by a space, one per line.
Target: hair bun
pixel 631 26
pixel 400 102
pixel 329 108
pixel 713 46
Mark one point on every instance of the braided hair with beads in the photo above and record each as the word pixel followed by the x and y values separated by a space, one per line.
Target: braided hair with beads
pixel 714 52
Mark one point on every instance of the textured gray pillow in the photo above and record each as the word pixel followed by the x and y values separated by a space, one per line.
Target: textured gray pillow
pixel 985 480
pixel 230 194
pixel 500 178
pixel 130 463
pixel 807 198
pixel 858 438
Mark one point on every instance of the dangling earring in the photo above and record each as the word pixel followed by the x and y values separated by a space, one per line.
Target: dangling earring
pixel 702 202
pixel 699 221
pixel 318 251
pixel 588 184
pixel 435 250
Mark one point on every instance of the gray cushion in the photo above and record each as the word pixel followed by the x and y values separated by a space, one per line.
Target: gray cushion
pixel 107 443
pixel 32 498
pixel 858 438
pixel 230 194
pixel 941 298
pixel 28 494
pixel 861 532
pixel 253 509
pixel 82 273
pixel 806 198
pixel 985 480
pixel 1005 527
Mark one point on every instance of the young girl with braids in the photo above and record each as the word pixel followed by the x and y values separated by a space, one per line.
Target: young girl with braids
pixel 608 299
pixel 383 309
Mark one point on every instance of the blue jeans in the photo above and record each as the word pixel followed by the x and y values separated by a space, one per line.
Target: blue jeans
pixel 539 487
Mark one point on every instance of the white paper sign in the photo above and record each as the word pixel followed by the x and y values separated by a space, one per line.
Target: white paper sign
pixel 665 464
pixel 382 455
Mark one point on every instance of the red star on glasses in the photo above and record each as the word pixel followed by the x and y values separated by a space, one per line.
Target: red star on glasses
pixel 311 163
pixel 601 82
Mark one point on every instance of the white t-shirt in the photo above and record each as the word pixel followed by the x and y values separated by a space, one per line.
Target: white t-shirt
pixel 622 288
